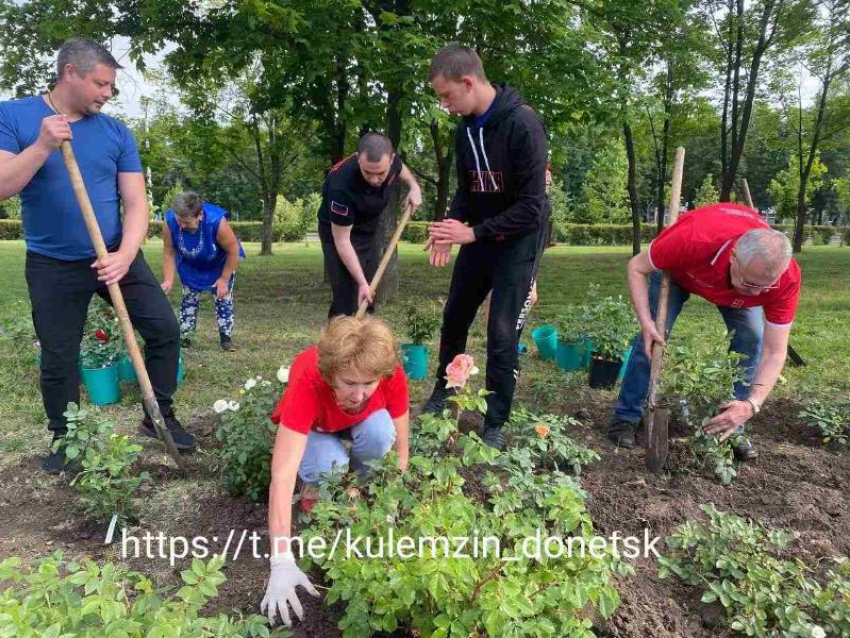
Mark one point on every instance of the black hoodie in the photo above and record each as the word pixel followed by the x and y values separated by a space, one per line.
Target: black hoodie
pixel 501 170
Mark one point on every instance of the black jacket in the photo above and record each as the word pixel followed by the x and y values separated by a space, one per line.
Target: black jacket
pixel 501 170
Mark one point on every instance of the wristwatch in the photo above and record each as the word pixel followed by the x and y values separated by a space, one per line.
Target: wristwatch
pixel 756 406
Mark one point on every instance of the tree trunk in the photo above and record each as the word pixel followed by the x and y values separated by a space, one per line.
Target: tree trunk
pixel 267 236
pixel 632 187
pixel 444 170
pixel 806 170
pixel 387 222
pixel 739 127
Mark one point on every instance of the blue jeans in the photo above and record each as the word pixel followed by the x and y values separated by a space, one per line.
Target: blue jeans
pixel 371 439
pixel 745 324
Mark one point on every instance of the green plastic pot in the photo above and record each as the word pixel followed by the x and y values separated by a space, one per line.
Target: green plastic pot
pixel 415 361
pixel 546 340
pixel 126 371
pixel 627 353
pixel 588 351
pixel 102 384
pixel 570 355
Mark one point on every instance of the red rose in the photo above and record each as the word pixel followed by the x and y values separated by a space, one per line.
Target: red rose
pixel 100 335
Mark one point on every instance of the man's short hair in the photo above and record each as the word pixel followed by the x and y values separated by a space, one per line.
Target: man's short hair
pixel 84 54
pixel 375 146
pixel 188 205
pixel 454 61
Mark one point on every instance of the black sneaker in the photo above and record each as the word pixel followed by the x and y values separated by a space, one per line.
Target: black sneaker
pixel 744 450
pixel 227 343
pixel 494 437
pixel 621 433
pixel 183 441
pixel 54 462
pixel 437 402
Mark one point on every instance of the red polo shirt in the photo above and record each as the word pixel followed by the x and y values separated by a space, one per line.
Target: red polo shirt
pixel 697 250
pixel 308 401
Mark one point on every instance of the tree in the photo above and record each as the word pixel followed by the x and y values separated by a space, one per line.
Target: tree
pixel 784 188
pixel 827 58
pixel 744 36
pixel 707 192
pixel 605 190
pixel 683 57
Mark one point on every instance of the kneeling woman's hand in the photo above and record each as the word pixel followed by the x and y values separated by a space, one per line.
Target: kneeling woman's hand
pixel 285 577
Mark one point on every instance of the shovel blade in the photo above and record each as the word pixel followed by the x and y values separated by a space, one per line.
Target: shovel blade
pixel 656 438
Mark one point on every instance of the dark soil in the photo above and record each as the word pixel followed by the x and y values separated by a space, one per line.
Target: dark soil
pixel 797 484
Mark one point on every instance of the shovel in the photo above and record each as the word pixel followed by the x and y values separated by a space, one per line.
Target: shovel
pixel 120 307
pixel 385 260
pixel 656 413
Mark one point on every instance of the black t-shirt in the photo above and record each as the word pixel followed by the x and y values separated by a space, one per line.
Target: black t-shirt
pixel 349 200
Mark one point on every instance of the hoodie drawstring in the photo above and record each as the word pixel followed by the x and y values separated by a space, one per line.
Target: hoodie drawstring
pixel 477 163
pixel 487 161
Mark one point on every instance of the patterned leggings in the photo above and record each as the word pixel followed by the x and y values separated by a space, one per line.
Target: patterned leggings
pixel 191 303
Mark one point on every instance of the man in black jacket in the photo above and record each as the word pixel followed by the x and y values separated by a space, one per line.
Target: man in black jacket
pixel 356 193
pixel 498 217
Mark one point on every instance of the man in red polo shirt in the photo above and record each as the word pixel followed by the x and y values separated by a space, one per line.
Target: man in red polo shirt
pixel 727 254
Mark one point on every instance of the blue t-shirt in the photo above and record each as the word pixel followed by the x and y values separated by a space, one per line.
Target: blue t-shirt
pixel 200 259
pixel 104 147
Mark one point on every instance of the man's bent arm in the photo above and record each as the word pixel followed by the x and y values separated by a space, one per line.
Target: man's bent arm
pixel 773 353
pixel 16 170
pixel 342 241
pixel 637 273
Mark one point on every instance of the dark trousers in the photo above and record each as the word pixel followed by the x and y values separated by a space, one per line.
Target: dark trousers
pixel 60 292
pixel 342 283
pixel 509 269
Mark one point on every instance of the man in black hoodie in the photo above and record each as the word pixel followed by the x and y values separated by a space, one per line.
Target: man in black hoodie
pixel 498 217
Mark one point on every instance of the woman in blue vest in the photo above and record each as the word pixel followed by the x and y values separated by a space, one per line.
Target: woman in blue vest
pixel 200 245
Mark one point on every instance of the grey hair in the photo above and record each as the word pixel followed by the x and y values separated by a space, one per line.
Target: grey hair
pixel 772 246
pixel 188 205
pixel 84 54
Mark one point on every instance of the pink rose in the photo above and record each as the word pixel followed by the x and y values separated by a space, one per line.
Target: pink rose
pixel 458 371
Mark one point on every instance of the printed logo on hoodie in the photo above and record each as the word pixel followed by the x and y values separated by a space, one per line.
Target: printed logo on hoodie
pixel 486 182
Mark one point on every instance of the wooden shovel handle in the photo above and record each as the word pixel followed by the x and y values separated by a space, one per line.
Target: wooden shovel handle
pixel 385 260
pixel 661 309
pixel 120 307
pixel 747 194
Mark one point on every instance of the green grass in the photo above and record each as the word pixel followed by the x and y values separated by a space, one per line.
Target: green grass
pixel 281 304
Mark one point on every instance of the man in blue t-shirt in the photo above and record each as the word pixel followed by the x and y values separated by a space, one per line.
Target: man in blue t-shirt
pixel 62 271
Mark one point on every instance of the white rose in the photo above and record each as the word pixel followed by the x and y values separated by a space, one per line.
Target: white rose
pixel 283 374
pixel 474 371
pixel 818 632
pixel 233 405
pixel 250 383
pixel 220 406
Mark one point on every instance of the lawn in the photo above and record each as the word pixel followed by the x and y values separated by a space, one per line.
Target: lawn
pixel 281 305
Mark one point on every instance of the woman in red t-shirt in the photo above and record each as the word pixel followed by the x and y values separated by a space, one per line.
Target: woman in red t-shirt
pixel 349 387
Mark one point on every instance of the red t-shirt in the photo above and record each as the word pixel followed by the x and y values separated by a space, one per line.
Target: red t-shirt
pixel 308 401
pixel 697 250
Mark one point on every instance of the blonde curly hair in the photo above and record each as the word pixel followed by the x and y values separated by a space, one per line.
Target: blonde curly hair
pixel 365 345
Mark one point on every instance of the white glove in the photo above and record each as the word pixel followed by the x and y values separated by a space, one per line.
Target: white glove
pixel 285 577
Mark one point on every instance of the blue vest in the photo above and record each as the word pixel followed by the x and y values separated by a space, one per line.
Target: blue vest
pixel 200 260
